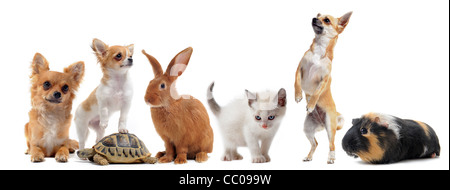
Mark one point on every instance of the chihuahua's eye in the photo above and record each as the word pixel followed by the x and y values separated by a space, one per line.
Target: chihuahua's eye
pixel 163 86
pixel 257 117
pixel 271 117
pixel 363 131
pixel 65 89
pixel 46 85
pixel 118 56
pixel 326 20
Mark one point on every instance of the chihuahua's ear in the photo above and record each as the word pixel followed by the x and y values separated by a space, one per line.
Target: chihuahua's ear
pixel 343 21
pixel 179 63
pixel 76 70
pixel 131 48
pixel 99 47
pixel 157 70
pixel 39 64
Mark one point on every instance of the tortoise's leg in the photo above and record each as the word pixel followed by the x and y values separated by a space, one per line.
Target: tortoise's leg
pixel 149 159
pixel 100 159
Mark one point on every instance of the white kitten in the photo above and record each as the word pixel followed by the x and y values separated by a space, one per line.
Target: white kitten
pixel 251 122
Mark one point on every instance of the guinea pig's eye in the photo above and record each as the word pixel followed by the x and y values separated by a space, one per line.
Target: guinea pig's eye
pixel 46 85
pixel 271 117
pixel 363 131
pixel 162 86
pixel 326 20
pixel 65 89
pixel 257 117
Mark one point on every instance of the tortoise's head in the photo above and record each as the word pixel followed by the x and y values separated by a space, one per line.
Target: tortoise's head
pixel 86 153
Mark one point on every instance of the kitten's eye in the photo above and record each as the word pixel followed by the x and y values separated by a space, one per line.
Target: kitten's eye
pixel 65 89
pixel 363 131
pixel 46 85
pixel 162 86
pixel 271 117
pixel 257 117
pixel 326 20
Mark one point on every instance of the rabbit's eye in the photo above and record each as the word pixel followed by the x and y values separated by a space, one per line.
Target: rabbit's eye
pixel 163 86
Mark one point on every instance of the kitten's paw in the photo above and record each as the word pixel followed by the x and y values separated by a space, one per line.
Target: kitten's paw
pixel 267 157
pixel 259 159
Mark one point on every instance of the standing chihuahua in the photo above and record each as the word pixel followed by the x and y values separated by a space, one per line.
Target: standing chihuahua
pixel 313 76
pixel 113 94
pixel 52 93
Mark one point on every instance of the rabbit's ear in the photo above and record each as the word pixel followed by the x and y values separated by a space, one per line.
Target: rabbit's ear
pixel 179 63
pixel 157 70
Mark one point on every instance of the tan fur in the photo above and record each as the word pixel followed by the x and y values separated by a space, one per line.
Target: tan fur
pixel 317 83
pixel 47 132
pixel 90 101
pixel 181 121
pixel 375 151
pixel 425 127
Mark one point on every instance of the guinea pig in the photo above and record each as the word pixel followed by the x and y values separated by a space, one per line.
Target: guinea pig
pixel 381 139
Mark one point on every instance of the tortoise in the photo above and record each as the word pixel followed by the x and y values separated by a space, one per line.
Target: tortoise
pixel 118 148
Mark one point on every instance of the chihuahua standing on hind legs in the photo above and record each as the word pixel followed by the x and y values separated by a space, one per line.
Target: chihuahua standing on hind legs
pixel 113 94
pixel 313 76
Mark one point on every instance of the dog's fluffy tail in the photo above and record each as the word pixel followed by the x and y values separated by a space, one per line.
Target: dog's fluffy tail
pixel 215 108
pixel 340 121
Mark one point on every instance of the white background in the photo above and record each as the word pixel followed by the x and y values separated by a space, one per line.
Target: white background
pixel 392 58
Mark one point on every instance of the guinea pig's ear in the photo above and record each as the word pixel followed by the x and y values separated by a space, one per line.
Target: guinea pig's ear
pixel 378 121
pixel 355 121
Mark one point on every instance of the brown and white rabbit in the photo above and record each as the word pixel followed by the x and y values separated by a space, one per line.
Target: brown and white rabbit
pixel 181 121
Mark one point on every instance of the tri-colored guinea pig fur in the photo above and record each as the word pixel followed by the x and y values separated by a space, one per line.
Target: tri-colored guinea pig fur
pixel 381 139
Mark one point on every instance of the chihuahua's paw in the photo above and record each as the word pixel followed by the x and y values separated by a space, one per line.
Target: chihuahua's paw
pixel 61 157
pixel 259 159
pixel 307 159
pixel 38 157
pixel 103 124
pixel 123 130
pixel 298 98
pixel 310 109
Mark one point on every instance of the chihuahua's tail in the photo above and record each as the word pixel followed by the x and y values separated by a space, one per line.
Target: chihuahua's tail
pixel 340 121
pixel 215 108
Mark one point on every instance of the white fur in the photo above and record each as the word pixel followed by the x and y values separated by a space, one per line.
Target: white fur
pixel 50 122
pixel 239 129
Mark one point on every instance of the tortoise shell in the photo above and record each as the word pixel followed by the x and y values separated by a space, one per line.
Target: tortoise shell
pixel 121 148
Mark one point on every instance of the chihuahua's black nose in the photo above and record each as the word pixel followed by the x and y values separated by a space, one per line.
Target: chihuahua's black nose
pixel 57 95
pixel 315 20
pixel 130 60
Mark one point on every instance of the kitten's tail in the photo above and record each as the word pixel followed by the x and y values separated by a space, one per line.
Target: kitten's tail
pixel 215 108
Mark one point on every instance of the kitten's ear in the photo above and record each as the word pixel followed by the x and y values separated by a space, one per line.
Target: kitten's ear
pixel 281 98
pixel 251 97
